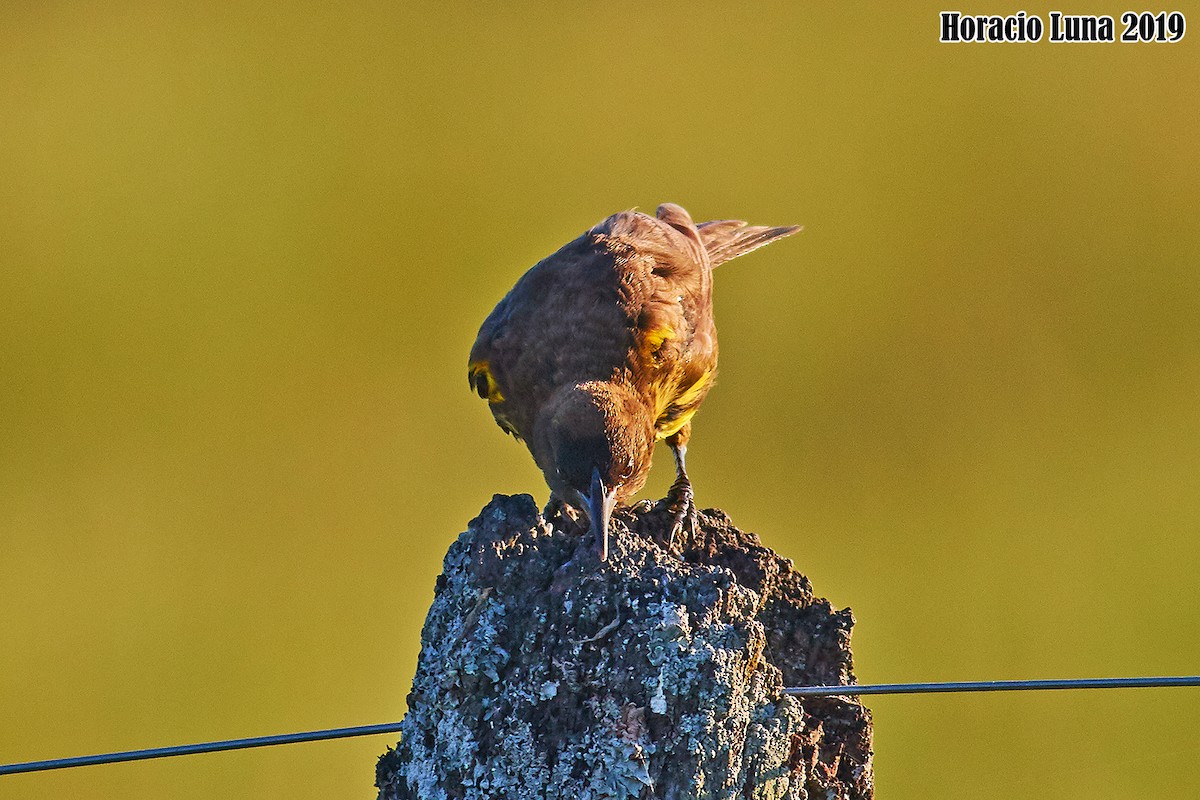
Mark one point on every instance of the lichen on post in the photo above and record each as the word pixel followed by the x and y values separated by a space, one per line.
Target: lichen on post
pixel 545 673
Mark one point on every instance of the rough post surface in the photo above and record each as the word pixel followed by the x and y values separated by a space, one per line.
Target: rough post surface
pixel 545 673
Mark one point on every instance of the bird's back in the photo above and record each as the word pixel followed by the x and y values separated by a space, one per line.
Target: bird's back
pixel 623 302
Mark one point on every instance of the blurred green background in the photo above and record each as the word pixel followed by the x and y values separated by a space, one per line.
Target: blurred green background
pixel 244 250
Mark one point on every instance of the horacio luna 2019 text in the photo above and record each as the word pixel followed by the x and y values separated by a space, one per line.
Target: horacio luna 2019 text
pixel 1143 26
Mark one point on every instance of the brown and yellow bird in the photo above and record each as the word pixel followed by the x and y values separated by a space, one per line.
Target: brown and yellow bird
pixel 607 346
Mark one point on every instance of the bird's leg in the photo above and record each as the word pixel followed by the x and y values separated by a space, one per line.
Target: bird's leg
pixel 680 497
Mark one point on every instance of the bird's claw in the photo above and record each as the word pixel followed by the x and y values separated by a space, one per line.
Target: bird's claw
pixel 558 510
pixel 680 502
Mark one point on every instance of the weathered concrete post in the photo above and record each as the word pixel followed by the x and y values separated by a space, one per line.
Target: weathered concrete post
pixel 545 673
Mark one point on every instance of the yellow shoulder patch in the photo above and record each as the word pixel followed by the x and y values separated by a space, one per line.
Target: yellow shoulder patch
pixel 668 426
pixel 479 373
pixel 677 407
pixel 652 340
pixel 691 395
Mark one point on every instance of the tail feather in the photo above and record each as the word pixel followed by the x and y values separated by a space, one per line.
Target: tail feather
pixel 729 238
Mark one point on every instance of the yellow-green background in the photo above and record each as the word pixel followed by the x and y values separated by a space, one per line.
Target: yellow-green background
pixel 244 251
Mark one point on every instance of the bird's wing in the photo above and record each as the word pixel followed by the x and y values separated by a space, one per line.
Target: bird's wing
pixel 677 337
pixel 667 283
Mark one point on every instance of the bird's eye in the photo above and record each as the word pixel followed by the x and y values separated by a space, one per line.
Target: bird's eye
pixel 481 384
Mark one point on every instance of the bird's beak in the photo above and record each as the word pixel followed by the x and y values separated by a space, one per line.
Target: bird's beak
pixel 601 500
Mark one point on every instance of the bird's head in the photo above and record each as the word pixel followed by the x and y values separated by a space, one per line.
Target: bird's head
pixel 599 437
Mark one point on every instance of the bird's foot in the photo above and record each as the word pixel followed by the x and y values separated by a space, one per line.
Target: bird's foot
pixel 558 510
pixel 684 517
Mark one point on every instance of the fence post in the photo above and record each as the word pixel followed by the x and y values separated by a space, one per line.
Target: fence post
pixel 545 673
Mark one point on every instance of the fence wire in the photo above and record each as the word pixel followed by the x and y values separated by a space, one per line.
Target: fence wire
pixel 797 691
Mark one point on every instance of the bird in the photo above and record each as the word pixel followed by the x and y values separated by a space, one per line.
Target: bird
pixel 606 347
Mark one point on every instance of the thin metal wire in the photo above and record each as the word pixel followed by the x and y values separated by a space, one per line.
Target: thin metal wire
pixel 801 691
pixel 991 686
pixel 203 747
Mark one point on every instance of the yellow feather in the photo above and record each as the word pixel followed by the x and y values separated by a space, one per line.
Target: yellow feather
pixel 481 369
pixel 691 394
pixel 674 426
pixel 652 340
pixel 666 425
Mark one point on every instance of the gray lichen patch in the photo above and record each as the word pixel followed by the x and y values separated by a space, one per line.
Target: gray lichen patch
pixel 545 673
